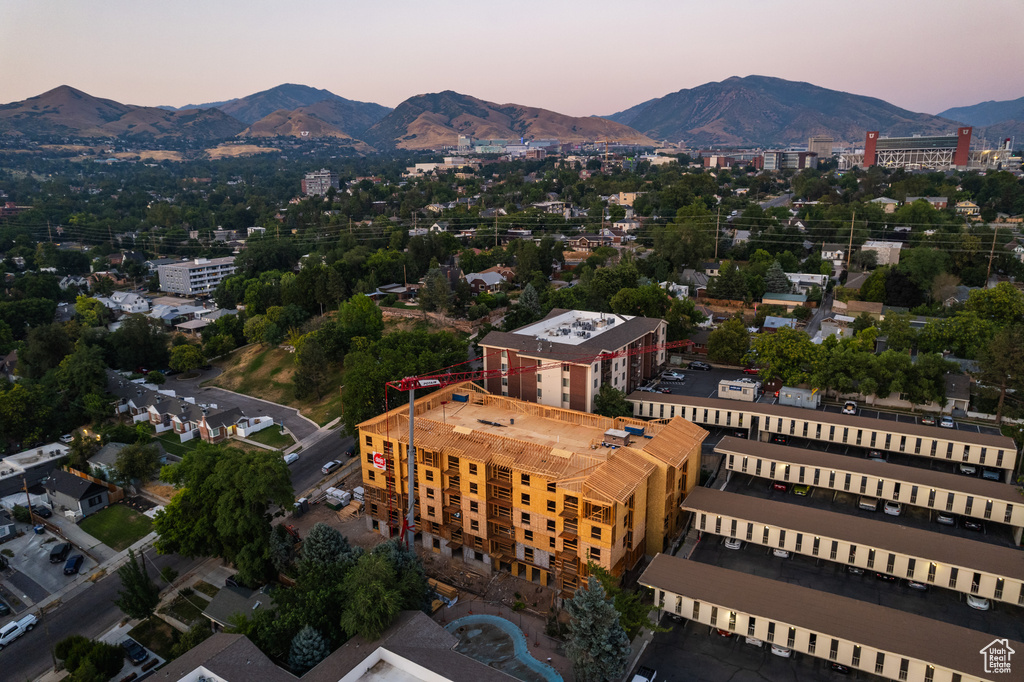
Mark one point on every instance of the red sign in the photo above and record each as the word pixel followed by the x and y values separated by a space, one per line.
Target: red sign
pixel 379 462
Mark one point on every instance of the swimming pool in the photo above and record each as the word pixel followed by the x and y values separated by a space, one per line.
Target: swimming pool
pixel 501 645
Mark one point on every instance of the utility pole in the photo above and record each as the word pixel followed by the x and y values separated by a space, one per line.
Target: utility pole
pixel 849 250
pixel 718 224
pixel 28 501
pixel 495 230
pixel 49 235
pixel 991 253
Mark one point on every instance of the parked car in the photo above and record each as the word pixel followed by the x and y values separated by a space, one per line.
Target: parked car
pixel 645 389
pixel 967 469
pixel 73 564
pixel 291 457
pixel 663 390
pixel 724 633
pixel 945 519
pixel 135 652
pixel 947 422
pixel 885 577
pixel 802 490
pixel 849 407
pixel 916 585
pixel 751 370
pixel 697 364
pixel 16 628
pixel 781 651
pixel 892 508
pixel 330 466
pixel 41 511
pixel 644 674
pixel 672 376
pixel 60 552
pixel 979 603
pixel 753 641
pixel 740 434
pixel 5 610
pixel 780 486
pixel 733 543
pixel 66 438
pixel 839 668
pixel 780 553
pixel 855 570
pixel 928 420
pixel 780 438
pixel 973 524
pixel 991 474
pixel 868 503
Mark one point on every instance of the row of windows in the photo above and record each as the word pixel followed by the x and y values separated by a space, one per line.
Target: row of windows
pixel 790 638
pixel 711 416
pixel 848 478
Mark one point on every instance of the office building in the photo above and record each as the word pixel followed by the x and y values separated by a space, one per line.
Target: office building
pixel 821 145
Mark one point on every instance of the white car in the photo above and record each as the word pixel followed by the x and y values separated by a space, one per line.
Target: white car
pixel 66 438
pixel 330 466
pixel 892 508
pixel 947 422
pixel 754 641
pixel 781 651
pixel 979 603
pixel 781 553
pixel 293 457
pixel 733 543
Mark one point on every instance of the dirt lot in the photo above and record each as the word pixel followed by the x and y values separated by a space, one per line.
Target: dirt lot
pixel 225 151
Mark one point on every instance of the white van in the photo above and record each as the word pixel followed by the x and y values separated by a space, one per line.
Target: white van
pixel 293 457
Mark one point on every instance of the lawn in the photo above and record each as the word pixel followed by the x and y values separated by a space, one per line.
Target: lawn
pixel 156 634
pixel 118 526
pixel 186 609
pixel 273 437
pixel 267 373
pixel 174 445
pixel 206 588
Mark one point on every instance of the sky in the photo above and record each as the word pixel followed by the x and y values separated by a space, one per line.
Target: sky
pixel 577 57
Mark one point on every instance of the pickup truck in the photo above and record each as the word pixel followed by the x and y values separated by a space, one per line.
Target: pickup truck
pixel 645 674
pixel 16 628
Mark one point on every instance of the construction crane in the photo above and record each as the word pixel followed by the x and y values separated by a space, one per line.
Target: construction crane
pixel 440 380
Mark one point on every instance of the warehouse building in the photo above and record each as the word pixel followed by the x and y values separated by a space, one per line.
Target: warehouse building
pixel 875 639
pixel 533 490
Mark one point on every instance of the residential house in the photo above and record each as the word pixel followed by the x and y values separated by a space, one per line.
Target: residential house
pixel 968 208
pixel 493 212
pixel 886 253
pixel 112 275
pixel 624 198
pixel 589 242
pixel 627 225
pixel 698 341
pixel 69 281
pixel 958 392
pixel 740 236
pixel 937 202
pixel 772 324
pixel 617 235
pixel 484 281
pixel 8 365
pixel 1016 248
pixel 803 282
pixel 403 292
pixel 105 460
pixel 553 207
pixel 696 279
pixel 219 426
pixel 8 531
pixel 74 493
pixel 440 226
pixel 855 308
pixel 887 205
pixel 959 296
pixel 835 325
pixel 506 271
pixel 712 269
pixel 127 302
pixel 788 301
pixel 675 290
pixel 233 600
pixel 833 252
pixel 855 280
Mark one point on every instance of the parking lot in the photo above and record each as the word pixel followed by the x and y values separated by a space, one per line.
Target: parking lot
pixel 31 575
pixel 841 502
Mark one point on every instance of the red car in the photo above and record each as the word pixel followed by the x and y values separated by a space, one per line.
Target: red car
pixel 780 486
pixel 751 370
pixel 724 633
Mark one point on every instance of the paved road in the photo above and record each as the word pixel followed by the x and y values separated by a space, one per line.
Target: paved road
pixel 823 311
pixel 89 613
pixel 252 407
pixel 322 447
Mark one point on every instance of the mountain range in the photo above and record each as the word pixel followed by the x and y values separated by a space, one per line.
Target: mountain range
pixel 750 111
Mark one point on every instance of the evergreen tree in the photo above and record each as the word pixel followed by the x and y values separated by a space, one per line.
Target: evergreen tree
pixel 138 595
pixel 775 280
pixel 530 300
pixel 598 646
pixel 325 545
pixel 436 293
pixel 311 375
pixel 308 649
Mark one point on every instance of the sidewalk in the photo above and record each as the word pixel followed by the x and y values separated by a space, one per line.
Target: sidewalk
pixel 89 545
pixel 315 437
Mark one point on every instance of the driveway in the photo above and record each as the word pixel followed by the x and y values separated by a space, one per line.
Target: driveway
pixel 31 577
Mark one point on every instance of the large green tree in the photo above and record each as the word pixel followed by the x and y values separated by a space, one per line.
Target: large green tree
pixel 788 355
pixel 611 402
pixel 311 375
pixel 1001 364
pixel 138 461
pixel 138 343
pixel 730 342
pixel 597 645
pixel 222 507
pixel 138 595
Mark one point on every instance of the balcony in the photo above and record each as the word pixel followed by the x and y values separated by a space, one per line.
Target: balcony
pixel 569 512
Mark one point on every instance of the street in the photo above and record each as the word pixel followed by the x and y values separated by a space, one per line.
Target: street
pixel 89 613
pixel 327 445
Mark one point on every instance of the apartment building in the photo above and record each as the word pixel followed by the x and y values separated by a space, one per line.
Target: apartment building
pixel 573 338
pixel 537 491
pixel 892 644
pixel 318 182
pixel 199 276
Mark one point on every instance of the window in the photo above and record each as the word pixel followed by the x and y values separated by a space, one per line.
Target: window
pixel 565 397
pixel 931 497
pixel 540 393
pixel 771 632
pixel 751 622
pixel 369 441
pixel 931 572
pixel 799 541
pixel 703 521
pixel 430 493
pixel 429 475
pixel 732 620
pixel 871 558
pixel 1008 513
pixel 929 673
pixel 472 469
pixel 949 502
pixel 525 519
pixel 791 638
pixel 595 533
pixel 913 495
pixel 952 576
pixel 526 498
pixel 552 507
pixel 891 563
pixel 473 506
pixel 988 509
pixel 833 650
pixel 812 643
pixel 904 665
pixel 718 525
pixel 879 663
pixel 430 511
pixel 853 554
pixel 474 524
pixel 551 525
pixel 714 615
pixel 473 489
pixel 750 532
pixel 856 655
pixel 764 540
pixel 911 566
pixel 817 544
pixel 524 479
pixel 595 554
pixel 371 475
pixel 696 610
pixel 551 486
pixel 551 541
pixel 528 535
pixel 835 550
pixel 528 554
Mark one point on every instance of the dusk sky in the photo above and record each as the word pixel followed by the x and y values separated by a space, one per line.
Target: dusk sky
pixel 574 57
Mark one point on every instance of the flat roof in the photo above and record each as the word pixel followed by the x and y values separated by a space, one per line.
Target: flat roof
pixel 546 339
pixel 879 627
pixel 926 478
pixel 923 544
pixel 847 420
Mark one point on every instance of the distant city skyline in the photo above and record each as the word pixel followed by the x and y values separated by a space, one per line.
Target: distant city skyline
pixel 574 57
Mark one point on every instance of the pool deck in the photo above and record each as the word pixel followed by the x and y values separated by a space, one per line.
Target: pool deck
pixel 542 647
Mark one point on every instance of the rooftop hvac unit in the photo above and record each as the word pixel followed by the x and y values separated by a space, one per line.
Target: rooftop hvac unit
pixel 611 320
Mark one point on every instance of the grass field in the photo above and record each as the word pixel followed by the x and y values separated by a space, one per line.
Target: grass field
pixel 117 526
pixel 173 444
pixel 267 373
pixel 273 437
pixel 186 609
pixel 156 634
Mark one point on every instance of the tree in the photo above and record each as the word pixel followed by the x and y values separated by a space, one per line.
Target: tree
pixel 775 280
pixel 634 614
pixel 137 343
pixel 187 358
pixel 611 402
pixel 898 332
pixel 373 599
pixel 138 595
pixel 90 312
pixel 1001 364
pixel 436 293
pixel 311 376
pixel 89 661
pixel 530 301
pixel 81 373
pixel 730 342
pixel 730 283
pixel 788 355
pixel 325 545
pixel 360 317
pixel 222 507
pixel 598 646
pixel 1003 305
pixel 646 301
pixel 45 347
pixel 137 462
pixel 308 648
pixel 191 637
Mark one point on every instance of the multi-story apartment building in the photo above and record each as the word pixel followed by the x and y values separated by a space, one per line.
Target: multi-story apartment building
pixel 199 276
pixel 318 182
pixel 536 491
pixel 573 338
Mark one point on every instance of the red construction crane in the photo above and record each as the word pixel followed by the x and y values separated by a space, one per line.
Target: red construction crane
pixel 448 378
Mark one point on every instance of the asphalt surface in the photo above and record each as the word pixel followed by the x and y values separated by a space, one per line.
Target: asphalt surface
pixel 314 454
pixel 89 613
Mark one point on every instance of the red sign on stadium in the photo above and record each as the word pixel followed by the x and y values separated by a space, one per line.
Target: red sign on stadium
pixel 379 461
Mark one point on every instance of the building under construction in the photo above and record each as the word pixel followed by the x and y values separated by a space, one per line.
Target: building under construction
pixel 533 490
